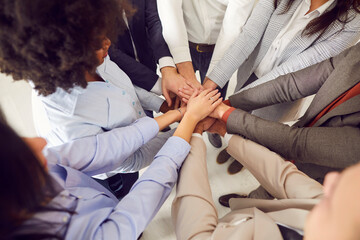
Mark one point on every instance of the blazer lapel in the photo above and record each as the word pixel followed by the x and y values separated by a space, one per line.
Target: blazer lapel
pixel 344 77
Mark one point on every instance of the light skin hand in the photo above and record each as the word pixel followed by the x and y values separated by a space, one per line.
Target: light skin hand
pixel 208 83
pixel 171 82
pixel 218 127
pixel 186 69
pixel 219 111
pixel 204 124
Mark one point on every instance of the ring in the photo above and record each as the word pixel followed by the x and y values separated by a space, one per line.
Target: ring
pixel 211 99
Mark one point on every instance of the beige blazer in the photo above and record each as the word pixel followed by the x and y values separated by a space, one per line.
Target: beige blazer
pixel 194 213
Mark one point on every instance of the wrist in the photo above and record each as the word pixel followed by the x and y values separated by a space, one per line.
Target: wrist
pixel 221 110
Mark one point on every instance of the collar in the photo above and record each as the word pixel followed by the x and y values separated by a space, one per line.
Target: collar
pixel 320 10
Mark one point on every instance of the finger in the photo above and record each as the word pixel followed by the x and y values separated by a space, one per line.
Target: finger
pixel 188 91
pixel 167 97
pixel 205 92
pixel 215 96
pixel 215 104
pixel 185 100
pixel 177 103
pixel 184 95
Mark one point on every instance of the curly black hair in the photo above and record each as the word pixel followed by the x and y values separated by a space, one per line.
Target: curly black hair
pixel 52 43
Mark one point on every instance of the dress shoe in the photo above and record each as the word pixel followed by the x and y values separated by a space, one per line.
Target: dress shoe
pixel 234 167
pixel 224 199
pixel 215 139
pixel 166 129
pixel 222 157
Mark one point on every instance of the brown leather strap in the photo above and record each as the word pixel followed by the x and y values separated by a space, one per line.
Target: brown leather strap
pixel 202 47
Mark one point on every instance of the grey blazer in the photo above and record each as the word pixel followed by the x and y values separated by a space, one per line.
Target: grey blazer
pixel 261 29
pixel 333 142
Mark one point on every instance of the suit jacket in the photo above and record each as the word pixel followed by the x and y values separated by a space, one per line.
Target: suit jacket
pixel 194 213
pixel 333 141
pixel 262 27
pixel 145 31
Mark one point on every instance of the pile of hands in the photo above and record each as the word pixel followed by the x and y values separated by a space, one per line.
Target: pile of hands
pixel 202 103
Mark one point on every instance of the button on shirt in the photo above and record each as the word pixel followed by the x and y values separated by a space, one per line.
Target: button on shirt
pixel 99 215
pixel 99 107
pixel 296 25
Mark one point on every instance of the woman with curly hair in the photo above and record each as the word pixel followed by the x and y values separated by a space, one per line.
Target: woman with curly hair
pixel 62 47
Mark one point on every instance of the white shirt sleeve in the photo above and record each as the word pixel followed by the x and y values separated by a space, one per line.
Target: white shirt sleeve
pixel 236 15
pixel 174 29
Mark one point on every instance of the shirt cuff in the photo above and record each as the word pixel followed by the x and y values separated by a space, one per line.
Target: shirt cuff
pixel 227 138
pixel 181 54
pixel 157 87
pixel 197 135
pixel 166 62
pixel 148 127
pixel 227 102
pixel 176 149
pixel 227 114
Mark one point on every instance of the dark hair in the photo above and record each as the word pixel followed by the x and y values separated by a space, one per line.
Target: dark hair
pixel 339 12
pixel 26 187
pixel 52 43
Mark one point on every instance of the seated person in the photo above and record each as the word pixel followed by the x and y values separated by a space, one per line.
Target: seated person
pixel 65 56
pixel 49 194
pixel 303 209
pixel 326 138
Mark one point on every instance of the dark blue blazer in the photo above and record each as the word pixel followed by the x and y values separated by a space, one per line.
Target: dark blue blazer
pixel 146 31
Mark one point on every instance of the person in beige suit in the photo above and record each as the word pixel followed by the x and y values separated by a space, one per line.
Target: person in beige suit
pixel 328 213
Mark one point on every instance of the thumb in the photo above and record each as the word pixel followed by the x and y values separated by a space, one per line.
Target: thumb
pixel 166 94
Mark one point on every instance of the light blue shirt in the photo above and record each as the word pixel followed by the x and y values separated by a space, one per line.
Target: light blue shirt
pixel 98 213
pixel 99 107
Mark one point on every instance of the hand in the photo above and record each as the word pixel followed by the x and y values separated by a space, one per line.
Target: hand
pixel 219 111
pixel 171 82
pixel 202 105
pixel 186 69
pixel 218 127
pixel 204 124
pixel 208 83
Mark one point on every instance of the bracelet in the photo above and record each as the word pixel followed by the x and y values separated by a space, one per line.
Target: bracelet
pixel 179 109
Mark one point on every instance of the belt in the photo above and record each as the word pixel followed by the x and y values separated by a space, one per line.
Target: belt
pixel 202 47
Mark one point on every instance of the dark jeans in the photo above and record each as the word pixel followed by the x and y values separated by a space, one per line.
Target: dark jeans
pixel 119 184
pixel 201 62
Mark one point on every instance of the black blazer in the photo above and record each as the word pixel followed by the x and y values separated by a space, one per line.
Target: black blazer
pixel 146 31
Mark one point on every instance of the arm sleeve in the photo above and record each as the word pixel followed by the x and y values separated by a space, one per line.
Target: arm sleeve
pixel 130 217
pixel 149 100
pixel 244 44
pixel 193 210
pixel 154 27
pixel 236 15
pixel 106 151
pixel 174 29
pixel 332 46
pixel 286 88
pixel 139 74
pixel 317 145
pixel 279 177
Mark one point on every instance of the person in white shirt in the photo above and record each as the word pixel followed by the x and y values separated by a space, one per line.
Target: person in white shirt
pixel 199 32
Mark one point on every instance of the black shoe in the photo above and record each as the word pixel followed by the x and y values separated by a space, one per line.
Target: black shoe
pixel 166 129
pixel 222 157
pixel 234 167
pixel 224 199
pixel 215 139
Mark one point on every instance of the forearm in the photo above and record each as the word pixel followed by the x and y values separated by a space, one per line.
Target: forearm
pixel 168 118
pixel 193 209
pixel 136 209
pixel 144 156
pixel 286 88
pixel 106 151
pixel 326 146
